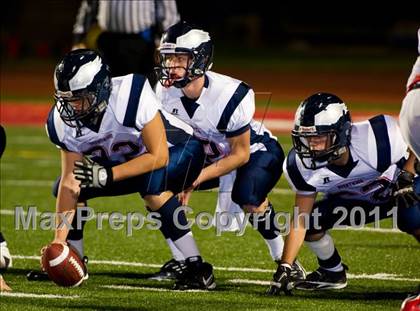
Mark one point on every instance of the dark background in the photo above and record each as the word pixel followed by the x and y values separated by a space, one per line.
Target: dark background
pixel 43 29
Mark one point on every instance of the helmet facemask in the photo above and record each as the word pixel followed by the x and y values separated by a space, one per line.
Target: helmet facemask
pixel 194 43
pixel 311 156
pixel 178 76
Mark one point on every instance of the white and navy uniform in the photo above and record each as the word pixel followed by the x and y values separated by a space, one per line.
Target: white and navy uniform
pixel 410 110
pixel 132 104
pixel 225 109
pixel 376 150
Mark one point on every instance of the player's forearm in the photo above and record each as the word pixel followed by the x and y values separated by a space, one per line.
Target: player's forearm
pixel 142 164
pixel 65 209
pixel 294 241
pixel 222 167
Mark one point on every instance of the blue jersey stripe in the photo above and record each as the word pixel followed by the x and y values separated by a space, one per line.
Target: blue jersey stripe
pixel 52 133
pixel 383 145
pixel 238 131
pixel 231 106
pixel 295 175
pixel 133 100
pixel 174 135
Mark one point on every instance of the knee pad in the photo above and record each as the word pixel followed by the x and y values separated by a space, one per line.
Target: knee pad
pixel 409 218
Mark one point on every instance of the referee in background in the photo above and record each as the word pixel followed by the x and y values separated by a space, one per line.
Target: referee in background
pixel 130 30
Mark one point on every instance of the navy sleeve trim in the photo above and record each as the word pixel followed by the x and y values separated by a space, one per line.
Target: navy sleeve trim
pixel 133 101
pixel 174 135
pixel 52 133
pixel 231 106
pixel 238 131
pixel 295 174
pixel 383 145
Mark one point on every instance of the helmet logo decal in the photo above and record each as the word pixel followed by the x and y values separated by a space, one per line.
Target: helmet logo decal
pixel 85 74
pixel 192 39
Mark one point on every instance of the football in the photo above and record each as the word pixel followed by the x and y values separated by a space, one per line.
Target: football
pixel 63 265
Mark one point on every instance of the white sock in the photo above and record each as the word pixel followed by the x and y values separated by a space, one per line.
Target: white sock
pixel 275 246
pixel 176 253
pixel 324 249
pixel 337 268
pixel 78 246
pixel 187 246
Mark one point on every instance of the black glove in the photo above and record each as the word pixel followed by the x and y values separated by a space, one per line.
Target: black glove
pixel 381 188
pixel 404 194
pixel 91 174
pixel 281 280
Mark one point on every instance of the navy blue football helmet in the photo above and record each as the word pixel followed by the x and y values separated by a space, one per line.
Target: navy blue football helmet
pixel 183 38
pixel 321 114
pixel 82 84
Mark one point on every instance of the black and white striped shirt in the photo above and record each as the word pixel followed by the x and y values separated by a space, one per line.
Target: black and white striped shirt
pixel 124 16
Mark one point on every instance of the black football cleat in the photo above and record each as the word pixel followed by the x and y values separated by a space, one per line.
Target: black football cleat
pixel 197 275
pixel 298 272
pixel 34 275
pixel 169 271
pixel 322 279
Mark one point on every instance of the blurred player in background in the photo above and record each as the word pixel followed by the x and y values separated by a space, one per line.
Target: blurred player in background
pixel 112 139
pixel 358 167
pixel 410 110
pixel 220 109
pixel 5 258
pixel 129 31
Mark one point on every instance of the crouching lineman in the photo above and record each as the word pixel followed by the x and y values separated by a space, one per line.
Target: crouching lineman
pixel 117 123
pixel 220 109
pixel 356 165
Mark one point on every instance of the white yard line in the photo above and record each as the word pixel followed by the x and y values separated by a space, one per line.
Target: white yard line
pixel 153 289
pixel 376 276
pixel 28 295
pixel 27 183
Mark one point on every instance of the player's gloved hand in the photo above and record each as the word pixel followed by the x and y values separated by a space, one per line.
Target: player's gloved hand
pixel 404 194
pixel 91 174
pixel 282 281
pixel 381 188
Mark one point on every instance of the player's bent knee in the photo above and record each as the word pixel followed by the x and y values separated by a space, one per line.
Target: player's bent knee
pixel 408 219
pixel 311 237
pixel 155 201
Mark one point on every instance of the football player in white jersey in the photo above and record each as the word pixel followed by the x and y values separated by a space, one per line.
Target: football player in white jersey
pixel 357 167
pixel 220 109
pixel 410 110
pixel 112 139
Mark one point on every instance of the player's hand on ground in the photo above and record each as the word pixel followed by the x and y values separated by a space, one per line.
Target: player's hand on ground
pixel 404 194
pixel 3 285
pixel 282 282
pixel 91 174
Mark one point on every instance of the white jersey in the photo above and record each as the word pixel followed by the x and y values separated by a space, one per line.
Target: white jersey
pixel 132 104
pixel 224 109
pixel 410 109
pixel 376 149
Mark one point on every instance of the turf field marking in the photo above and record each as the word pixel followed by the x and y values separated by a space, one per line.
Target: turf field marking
pixel 376 276
pixel 153 289
pixel 27 183
pixel 27 295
